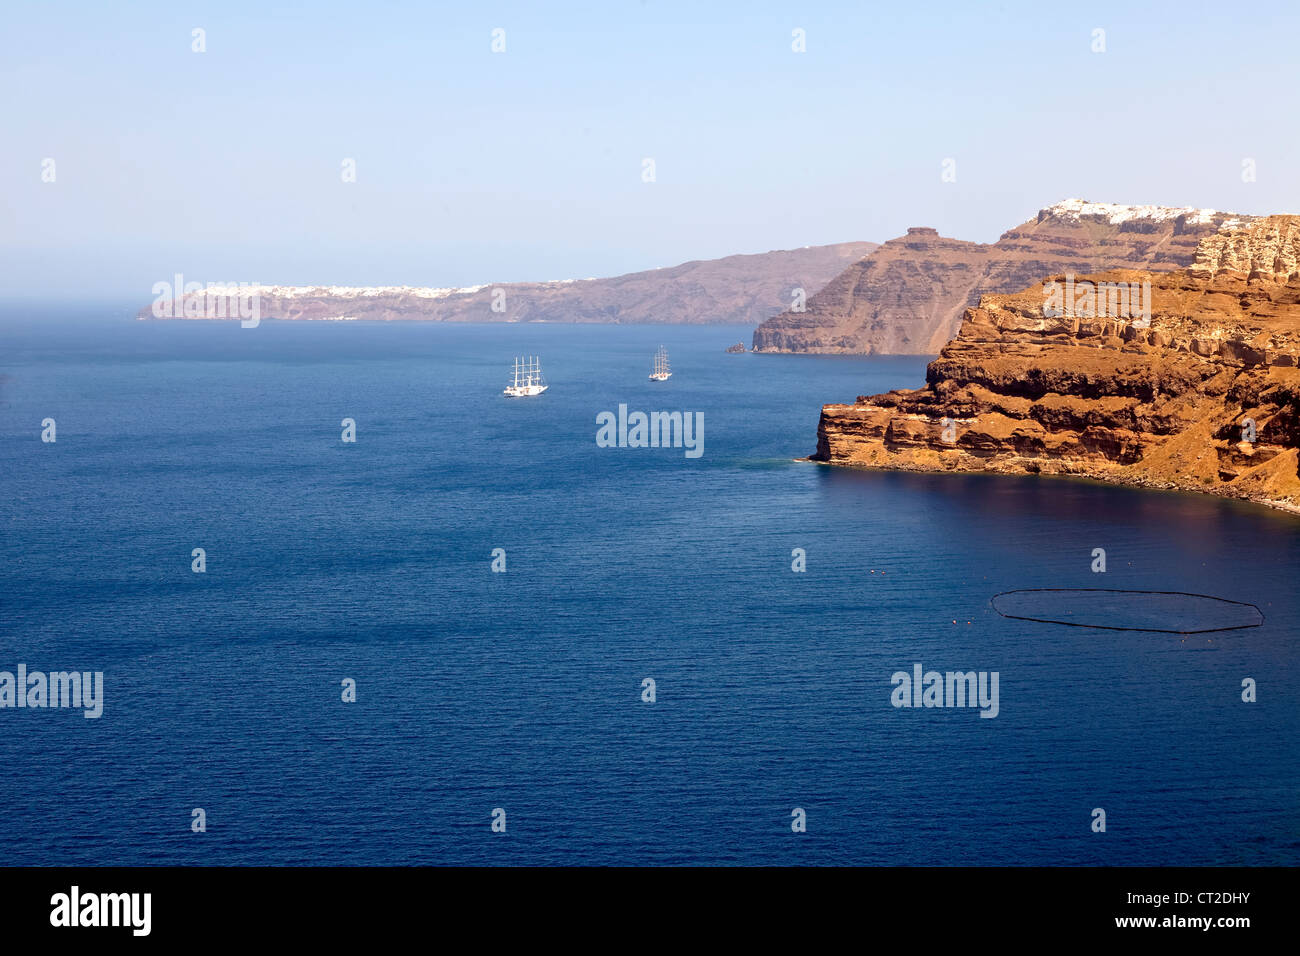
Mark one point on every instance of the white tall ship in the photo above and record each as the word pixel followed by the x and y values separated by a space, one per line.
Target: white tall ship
pixel 661 371
pixel 528 378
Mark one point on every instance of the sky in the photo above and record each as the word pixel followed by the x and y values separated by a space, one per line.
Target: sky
pixel 474 166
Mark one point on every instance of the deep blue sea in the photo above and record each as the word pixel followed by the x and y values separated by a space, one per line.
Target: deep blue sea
pixel 475 690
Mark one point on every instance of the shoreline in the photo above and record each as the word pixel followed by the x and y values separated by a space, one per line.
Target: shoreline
pixel 1142 484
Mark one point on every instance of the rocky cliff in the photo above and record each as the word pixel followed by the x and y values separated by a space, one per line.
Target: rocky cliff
pixel 909 295
pixel 743 289
pixel 1204 395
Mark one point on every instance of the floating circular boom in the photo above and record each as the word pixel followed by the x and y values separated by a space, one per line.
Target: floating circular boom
pixel 1161 612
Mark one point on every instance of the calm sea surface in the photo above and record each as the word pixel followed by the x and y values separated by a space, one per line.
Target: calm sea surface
pixel 478 690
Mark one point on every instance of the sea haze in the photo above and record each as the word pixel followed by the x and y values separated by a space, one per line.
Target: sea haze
pixel 478 690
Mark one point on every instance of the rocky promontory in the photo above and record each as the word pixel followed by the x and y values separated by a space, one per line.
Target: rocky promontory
pixel 1202 396
pixel 909 295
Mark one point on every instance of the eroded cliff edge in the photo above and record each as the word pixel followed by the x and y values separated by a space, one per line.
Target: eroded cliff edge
pixel 908 297
pixel 1022 390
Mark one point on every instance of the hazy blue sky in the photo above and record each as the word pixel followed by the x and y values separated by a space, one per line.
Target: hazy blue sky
pixel 480 167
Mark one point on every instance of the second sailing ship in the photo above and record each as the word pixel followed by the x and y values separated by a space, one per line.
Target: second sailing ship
pixel 661 372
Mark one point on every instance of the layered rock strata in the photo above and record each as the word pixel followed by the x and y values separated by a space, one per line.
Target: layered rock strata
pixel 1203 396
pixel 908 297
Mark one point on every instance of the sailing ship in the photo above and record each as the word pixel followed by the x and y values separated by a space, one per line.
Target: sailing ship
pixel 528 378
pixel 661 371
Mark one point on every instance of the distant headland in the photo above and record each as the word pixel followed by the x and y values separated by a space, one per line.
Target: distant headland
pixel 739 290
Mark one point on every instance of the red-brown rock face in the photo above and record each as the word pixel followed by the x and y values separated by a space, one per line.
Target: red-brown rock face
pixel 909 295
pixel 1205 398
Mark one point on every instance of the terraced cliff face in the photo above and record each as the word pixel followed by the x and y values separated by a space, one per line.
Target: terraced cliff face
pixel 743 289
pixel 909 295
pixel 1206 397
